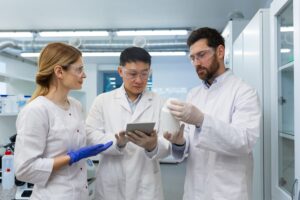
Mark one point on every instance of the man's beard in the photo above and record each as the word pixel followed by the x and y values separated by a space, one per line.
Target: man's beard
pixel 209 73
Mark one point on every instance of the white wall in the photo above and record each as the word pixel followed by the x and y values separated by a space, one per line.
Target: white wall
pixel 174 77
pixel 90 85
pixel 174 72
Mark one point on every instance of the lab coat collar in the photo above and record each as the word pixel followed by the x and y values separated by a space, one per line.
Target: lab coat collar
pixel 144 103
pixel 218 80
pixel 121 96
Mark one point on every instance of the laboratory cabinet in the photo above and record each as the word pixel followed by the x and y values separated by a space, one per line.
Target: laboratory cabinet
pixel 252 63
pixel 231 31
pixel 285 96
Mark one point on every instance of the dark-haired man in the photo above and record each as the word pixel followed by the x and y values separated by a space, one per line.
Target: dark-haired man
pixel 222 123
pixel 130 170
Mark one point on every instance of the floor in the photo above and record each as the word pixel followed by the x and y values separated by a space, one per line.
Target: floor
pixel 173 180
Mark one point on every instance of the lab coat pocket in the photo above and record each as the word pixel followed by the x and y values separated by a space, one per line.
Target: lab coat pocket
pixel 155 165
pixel 229 180
pixel 150 187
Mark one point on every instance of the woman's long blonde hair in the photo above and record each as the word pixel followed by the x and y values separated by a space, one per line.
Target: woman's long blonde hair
pixel 52 55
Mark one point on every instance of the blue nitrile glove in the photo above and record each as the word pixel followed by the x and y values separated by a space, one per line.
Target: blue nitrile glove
pixel 88 151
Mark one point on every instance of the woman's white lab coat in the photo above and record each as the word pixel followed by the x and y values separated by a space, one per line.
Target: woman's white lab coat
pixel 44 131
pixel 220 162
pixel 129 173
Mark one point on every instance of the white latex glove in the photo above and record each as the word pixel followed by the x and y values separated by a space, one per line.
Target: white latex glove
pixel 186 112
pixel 178 138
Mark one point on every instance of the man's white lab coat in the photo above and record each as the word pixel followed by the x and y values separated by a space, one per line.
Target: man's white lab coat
pixel 220 162
pixel 128 173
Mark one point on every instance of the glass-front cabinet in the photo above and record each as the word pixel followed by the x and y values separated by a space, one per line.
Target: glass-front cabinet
pixel 284 148
pixel 286 154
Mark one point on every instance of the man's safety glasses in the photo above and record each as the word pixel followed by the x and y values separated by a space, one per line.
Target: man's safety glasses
pixel 133 74
pixel 201 56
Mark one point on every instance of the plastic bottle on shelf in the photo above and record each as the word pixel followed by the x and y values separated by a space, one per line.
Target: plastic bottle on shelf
pixel 8 177
pixel 4 103
pixel 22 100
pixel 168 123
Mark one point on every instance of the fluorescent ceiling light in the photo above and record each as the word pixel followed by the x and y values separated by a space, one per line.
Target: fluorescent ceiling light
pixel 72 33
pixel 101 54
pixel 112 54
pixel 112 78
pixel 285 50
pixel 152 32
pixel 30 55
pixel 85 54
pixel 15 34
pixel 170 53
pixel 286 29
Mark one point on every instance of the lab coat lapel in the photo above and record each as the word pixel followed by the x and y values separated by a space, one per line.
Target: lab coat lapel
pixel 122 100
pixel 144 104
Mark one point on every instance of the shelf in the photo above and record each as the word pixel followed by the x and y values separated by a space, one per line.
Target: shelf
pixel 287 67
pixel 289 136
pixel 8 76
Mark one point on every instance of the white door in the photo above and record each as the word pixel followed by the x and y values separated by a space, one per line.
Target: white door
pixel 285 150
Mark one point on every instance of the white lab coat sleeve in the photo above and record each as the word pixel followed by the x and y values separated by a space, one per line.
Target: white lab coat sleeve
pixel 152 153
pixel 163 146
pixel 32 130
pixel 95 129
pixel 238 137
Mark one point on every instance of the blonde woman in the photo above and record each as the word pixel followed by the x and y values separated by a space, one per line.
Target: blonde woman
pixel 51 139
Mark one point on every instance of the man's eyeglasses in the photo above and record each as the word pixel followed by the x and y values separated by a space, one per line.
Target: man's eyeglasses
pixel 133 74
pixel 202 55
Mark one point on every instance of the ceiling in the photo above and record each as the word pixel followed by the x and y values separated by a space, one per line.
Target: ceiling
pixel 37 15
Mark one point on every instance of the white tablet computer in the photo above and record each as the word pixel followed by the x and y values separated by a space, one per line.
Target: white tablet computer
pixel 145 127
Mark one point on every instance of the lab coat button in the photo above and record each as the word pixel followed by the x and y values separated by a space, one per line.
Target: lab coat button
pixel 69 114
pixel 80 168
pixel 77 131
